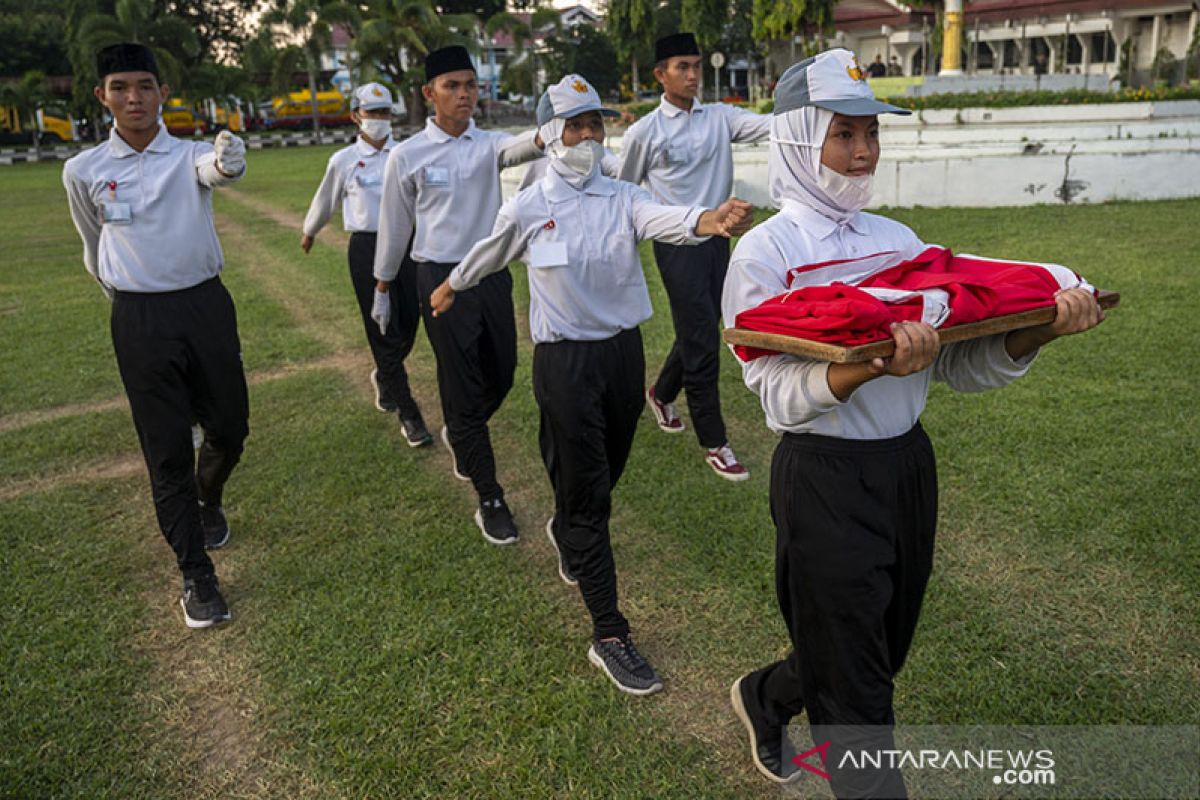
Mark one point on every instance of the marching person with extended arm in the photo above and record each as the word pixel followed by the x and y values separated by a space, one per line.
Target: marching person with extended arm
pixel 142 203
pixel 578 232
pixel 353 180
pixel 441 192
pixel 682 152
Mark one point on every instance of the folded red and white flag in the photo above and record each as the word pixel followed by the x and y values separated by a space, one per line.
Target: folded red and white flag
pixel 855 301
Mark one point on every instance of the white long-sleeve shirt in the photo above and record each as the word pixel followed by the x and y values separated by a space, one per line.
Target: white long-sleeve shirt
pixel 685 156
pixel 794 391
pixel 585 277
pixel 448 187
pixel 354 180
pixel 146 218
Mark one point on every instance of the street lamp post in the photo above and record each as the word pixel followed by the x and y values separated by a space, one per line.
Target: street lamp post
pixel 952 39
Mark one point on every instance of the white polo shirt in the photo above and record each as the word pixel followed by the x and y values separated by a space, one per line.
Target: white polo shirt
pixel 146 218
pixel 354 179
pixel 585 276
pixel 794 391
pixel 448 187
pixel 684 156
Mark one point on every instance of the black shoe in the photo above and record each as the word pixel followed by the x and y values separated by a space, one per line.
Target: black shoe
pixel 415 432
pixel 564 571
pixel 202 603
pixel 624 665
pixel 382 401
pixel 496 522
pixel 216 527
pixel 766 741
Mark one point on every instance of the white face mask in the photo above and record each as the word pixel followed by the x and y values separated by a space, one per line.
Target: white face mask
pixel 849 193
pixel 377 129
pixel 581 158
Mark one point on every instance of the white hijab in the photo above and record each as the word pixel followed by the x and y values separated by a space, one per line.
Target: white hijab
pixel 794 170
pixel 551 133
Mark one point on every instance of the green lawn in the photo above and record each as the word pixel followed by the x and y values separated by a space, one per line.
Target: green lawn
pixel 381 649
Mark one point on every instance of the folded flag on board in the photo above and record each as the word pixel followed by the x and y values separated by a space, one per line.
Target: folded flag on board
pixel 855 301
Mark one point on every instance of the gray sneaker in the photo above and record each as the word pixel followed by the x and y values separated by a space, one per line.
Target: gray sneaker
pixel 564 571
pixel 453 458
pixel 624 665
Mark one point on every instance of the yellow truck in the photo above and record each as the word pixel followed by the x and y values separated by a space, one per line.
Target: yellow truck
pixel 55 123
pixel 295 110
pixel 181 118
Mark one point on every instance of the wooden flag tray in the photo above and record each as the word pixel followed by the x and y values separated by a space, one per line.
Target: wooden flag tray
pixel 840 354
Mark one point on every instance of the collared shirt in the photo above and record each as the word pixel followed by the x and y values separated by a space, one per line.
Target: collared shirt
pixel 794 392
pixel 449 187
pixel 146 218
pixel 585 276
pixel 684 156
pixel 354 178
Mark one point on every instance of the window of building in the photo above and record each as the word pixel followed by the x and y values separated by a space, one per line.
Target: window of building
pixel 1104 48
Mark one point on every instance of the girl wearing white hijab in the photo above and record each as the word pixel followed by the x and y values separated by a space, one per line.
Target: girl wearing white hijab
pixel 578 231
pixel 853 481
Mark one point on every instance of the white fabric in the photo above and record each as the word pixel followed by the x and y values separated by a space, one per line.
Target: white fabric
pixel 610 166
pixel 447 188
pixel 377 129
pixel 169 242
pixel 836 75
pixel 684 156
pixel 353 179
pixel 794 392
pixel 794 171
pixel 371 96
pixel 572 96
pixel 230 152
pixel 585 275
pixel 381 310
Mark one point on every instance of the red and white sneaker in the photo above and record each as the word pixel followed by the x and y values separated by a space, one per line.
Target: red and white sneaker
pixel 664 414
pixel 725 463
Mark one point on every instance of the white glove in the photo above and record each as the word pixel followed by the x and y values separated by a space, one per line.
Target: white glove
pixel 381 310
pixel 231 153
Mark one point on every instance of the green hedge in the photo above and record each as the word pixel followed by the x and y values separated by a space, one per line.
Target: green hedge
pixel 1035 98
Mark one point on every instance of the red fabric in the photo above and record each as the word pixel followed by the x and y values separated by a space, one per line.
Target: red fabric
pixel 843 314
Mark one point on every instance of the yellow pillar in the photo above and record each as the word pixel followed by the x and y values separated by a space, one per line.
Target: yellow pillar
pixel 952 38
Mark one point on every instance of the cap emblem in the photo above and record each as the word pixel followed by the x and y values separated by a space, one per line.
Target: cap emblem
pixel 579 86
pixel 856 72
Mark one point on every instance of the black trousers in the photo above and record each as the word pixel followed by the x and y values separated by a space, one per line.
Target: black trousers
pixel 590 398
pixel 854 523
pixel 694 277
pixel 475 345
pixel 388 349
pixel 180 360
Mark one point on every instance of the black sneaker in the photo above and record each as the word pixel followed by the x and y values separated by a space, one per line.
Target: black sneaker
pixel 216 527
pixel 415 432
pixel 766 741
pixel 202 603
pixel 382 401
pixel 496 522
pixel 624 665
pixel 564 571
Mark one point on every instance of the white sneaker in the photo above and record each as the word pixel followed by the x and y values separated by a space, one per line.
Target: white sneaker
pixel 453 458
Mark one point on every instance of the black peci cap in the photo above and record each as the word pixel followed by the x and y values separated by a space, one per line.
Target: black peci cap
pixel 447 59
pixel 677 44
pixel 125 57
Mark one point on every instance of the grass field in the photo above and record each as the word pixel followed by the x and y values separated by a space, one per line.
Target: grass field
pixel 381 649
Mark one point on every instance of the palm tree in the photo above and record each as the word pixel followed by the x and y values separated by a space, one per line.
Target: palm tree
pixel 523 34
pixel 302 24
pixel 171 39
pixel 393 33
pixel 26 96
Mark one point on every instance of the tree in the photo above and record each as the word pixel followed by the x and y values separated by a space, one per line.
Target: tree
pixel 587 52
pixel 524 34
pixel 170 38
pixel 302 23
pixel 389 28
pixel 27 96
pixel 34 37
pixel 786 19
pixel 220 26
pixel 631 29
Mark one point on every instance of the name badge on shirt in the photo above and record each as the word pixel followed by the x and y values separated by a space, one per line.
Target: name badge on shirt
pixel 437 176
pixel 677 154
pixel 367 180
pixel 543 255
pixel 116 213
